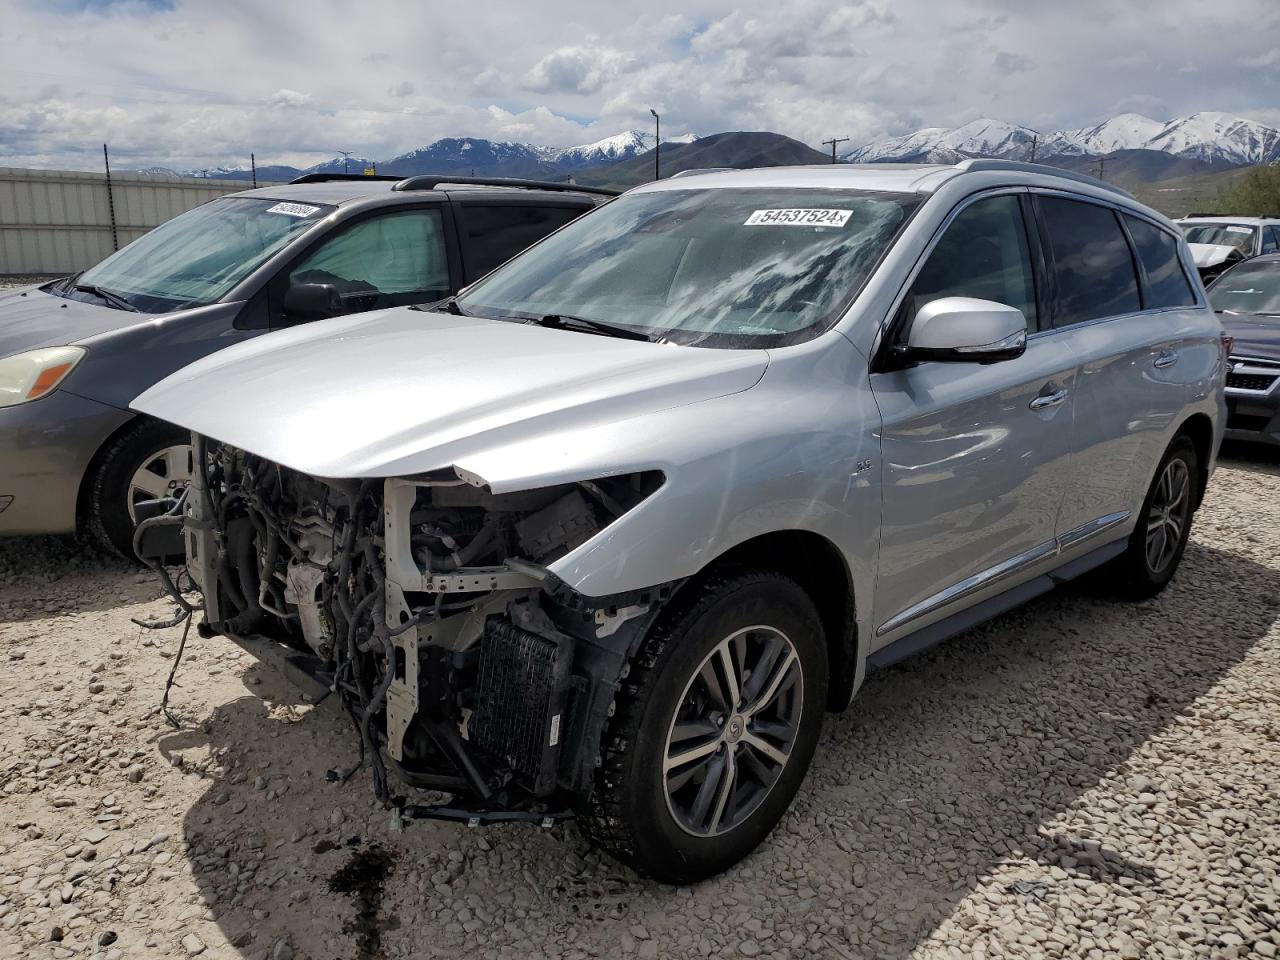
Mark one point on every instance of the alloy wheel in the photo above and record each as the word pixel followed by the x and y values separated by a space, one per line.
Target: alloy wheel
pixel 733 731
pixel 1168 515
pixel 164 473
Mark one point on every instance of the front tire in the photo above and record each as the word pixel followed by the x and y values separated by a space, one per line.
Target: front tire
pixel 149 460
pixel 715 726
pixel 1159 540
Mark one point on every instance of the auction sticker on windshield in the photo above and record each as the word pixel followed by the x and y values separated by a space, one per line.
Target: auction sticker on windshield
pixel 799 216
pixel 293 209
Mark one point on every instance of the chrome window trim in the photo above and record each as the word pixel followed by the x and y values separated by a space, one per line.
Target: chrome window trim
pixel 1019 189
pixel 1152 311
pixel 886 324
pixel 1121 208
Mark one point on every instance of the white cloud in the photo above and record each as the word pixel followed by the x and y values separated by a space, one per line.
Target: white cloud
pixel 289 98
pixel 200 84
pixel 580 70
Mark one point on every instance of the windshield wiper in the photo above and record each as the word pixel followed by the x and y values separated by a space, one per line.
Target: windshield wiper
pixel 448 306
pixel 114 299
pixel 563 321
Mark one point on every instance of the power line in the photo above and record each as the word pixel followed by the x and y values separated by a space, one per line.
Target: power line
pixel 833 141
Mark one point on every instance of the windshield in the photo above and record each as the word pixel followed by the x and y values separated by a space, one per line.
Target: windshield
pixel 1249 288
pixel 736 268
pixel 197 257
pixel 1221 234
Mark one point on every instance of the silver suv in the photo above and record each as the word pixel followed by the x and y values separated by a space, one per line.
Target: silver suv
pixel 608 534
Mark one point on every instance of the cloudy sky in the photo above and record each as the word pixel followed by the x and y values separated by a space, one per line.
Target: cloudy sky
pixel 183 83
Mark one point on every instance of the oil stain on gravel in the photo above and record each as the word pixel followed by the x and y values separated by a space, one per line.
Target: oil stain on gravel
pixel 363 877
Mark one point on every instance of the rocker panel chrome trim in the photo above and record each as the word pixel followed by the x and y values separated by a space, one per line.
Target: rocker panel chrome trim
pixel 1006 568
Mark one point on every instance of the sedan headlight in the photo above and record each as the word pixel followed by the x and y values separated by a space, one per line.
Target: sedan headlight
pixel 32 375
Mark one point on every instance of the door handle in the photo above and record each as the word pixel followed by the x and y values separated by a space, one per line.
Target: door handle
pixel 1166 359
pixel 1048 400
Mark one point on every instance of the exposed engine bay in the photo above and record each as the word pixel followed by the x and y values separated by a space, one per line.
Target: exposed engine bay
pixel 425 605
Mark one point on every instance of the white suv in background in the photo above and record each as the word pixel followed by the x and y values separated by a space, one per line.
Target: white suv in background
pixel 1218 242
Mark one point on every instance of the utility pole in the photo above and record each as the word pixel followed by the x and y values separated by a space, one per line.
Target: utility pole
pixel 111 200
pixel 346 159
pixel 253 166
pixel 657 144
pixel 833 141
pixel 1034 137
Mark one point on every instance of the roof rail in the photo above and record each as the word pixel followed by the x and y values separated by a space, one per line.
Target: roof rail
pixel 431 181
pixel 985 163
pixel 700 170
pixel 332 177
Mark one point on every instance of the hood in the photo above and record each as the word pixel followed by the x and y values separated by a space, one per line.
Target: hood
pixel 1253 338
pixel 401 391
pixel 31 318
pixel 1211 254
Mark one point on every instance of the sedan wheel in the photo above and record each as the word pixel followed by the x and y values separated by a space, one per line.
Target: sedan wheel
pixel 149 460
pixel 165 474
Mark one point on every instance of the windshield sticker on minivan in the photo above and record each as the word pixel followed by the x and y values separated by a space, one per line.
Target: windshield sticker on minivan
pixel 1239 229
pixel 799 217
pixel 293 209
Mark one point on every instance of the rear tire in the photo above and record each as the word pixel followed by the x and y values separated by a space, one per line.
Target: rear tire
pixel 1164 526
pixel 690 783
pixel 150 459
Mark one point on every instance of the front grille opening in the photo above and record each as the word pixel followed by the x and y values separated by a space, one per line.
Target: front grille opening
pixel 1250 381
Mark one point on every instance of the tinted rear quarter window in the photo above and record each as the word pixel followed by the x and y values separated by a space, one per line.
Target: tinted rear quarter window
pixel 1093 268
pixel 1167 284
pixel 494 234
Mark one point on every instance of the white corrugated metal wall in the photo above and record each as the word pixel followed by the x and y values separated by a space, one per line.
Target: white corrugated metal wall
pixel 58 221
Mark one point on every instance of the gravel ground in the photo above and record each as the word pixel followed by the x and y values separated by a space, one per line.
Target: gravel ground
pixel 1081 778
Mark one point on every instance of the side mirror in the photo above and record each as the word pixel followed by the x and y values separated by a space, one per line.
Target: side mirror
pixel 967 330
pixel 312 301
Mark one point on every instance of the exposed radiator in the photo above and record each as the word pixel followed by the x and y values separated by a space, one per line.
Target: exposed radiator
pixel 522 693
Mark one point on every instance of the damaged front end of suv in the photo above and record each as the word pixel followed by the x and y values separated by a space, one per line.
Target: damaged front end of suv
pixel 426 606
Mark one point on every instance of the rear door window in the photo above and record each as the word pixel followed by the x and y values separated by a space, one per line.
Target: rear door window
pixel 492 234
pixel 1167 284
pixel 1092 266
pixel 984 254
pixel 385 261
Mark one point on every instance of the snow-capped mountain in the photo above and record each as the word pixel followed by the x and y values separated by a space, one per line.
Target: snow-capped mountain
pixel 623 146
pixel 351 164
pixel 978 138
pixel 1128 131
pixel 1219 136
pixel 506 158
pixel 464 156
pixel 1218 139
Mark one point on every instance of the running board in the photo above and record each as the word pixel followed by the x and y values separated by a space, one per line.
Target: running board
pixel 958 622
